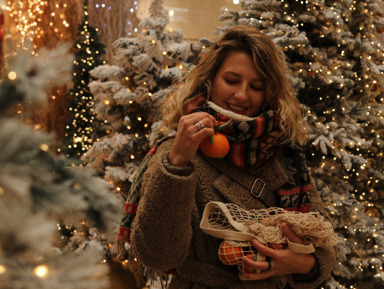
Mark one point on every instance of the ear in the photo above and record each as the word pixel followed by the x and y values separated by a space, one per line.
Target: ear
pixel 208 89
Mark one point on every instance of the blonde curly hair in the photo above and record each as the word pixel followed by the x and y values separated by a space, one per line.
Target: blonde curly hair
pixel 269 61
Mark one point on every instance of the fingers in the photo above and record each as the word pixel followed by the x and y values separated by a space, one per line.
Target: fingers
pixel 264 268
pixel 287 231
pixel 191 131
pixel 196 127
pixel 256 265
pixel 199 125
pixel 264 250
pixel 190 125
pixel 202 120
pixel 257 270
pixel 281 262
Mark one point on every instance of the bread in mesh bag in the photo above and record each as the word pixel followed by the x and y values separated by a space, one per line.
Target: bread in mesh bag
pixel 232 223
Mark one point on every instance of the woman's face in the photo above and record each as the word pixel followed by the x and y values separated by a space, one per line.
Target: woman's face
pixel 237 86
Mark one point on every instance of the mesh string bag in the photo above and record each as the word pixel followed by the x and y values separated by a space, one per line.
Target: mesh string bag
pixel 237 227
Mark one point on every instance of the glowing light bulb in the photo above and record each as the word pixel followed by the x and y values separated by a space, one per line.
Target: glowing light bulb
pixel 44 147
pixel 12 75
pixel 41 271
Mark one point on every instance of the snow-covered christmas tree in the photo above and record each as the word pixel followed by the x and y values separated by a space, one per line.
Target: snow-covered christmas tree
pixel 40 197
pixel 129 94
pixel 336 53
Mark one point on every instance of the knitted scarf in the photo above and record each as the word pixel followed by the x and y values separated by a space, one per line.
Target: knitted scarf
pixel 253 141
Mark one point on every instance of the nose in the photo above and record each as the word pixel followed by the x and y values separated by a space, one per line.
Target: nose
pixel 241 93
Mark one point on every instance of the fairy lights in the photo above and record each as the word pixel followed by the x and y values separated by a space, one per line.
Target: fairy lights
pixel 80 130
pixel 347 91
pixel 33 20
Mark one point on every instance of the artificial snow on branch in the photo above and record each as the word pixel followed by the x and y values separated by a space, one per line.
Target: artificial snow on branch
pixel 38 191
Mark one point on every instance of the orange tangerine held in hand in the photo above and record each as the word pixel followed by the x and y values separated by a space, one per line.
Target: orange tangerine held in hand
pixel 229 254
pixel 216 146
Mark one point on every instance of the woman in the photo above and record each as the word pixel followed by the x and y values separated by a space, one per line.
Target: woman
pixel 242 78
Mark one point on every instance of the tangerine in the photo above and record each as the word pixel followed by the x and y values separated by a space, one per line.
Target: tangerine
pixel 229 254
pixel 216 146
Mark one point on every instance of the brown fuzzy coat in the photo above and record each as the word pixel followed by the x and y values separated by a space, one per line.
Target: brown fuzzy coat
pixel 166 231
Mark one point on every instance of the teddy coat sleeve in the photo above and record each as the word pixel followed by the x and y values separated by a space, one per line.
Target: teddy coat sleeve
pixel 162 230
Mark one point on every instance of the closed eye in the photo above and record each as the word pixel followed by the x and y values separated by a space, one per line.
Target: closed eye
pixel 231 81
pixel 257 87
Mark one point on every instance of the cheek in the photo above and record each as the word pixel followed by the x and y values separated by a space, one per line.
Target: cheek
pixel 218 92
pixel 258 99
pixel 258 102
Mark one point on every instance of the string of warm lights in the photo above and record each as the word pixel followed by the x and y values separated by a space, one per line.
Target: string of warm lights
pixel 32 25
pixel 41 23
pixel 80 130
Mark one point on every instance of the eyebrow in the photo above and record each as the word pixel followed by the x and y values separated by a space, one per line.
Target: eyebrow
pixel 237 74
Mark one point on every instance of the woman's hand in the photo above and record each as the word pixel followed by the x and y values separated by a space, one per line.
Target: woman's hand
pixel 283 261
pixel 189 136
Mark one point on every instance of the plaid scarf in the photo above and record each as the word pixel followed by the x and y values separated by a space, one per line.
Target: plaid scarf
pixel 253 142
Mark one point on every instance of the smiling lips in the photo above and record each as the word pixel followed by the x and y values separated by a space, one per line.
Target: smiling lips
pixel 235 108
